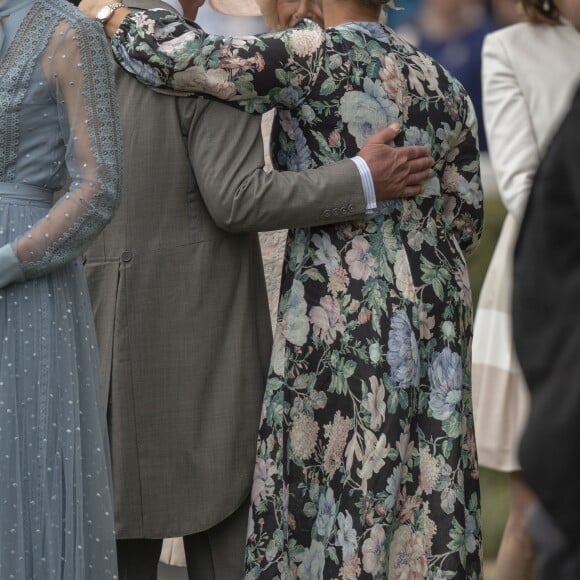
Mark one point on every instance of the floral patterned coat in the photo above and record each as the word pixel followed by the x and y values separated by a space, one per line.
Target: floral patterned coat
pixel 366 464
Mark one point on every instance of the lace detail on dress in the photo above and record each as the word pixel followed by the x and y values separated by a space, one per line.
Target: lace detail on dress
pixel 15 72
pixel 77 64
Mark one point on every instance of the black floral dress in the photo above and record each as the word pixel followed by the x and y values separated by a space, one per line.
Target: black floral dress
pixel 366 464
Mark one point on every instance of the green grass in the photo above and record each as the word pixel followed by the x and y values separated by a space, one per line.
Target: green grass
pixel 494 213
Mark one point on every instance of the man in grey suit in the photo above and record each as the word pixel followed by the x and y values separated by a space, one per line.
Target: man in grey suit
pixel 182 317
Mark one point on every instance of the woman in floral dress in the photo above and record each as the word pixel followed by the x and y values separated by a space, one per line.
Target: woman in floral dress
pixel 366 463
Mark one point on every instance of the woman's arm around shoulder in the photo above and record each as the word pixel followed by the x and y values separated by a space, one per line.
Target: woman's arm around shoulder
pixel 254 73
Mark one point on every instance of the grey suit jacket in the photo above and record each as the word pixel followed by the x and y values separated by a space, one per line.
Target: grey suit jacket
pixel 180 303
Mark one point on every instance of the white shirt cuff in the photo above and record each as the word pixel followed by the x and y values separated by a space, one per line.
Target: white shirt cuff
pixel 10 267
pixel 367 182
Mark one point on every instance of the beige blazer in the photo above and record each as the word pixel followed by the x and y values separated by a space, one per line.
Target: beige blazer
pixel 180 303
pixel 530 73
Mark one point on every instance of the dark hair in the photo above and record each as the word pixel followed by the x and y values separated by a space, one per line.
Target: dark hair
pixel 541 11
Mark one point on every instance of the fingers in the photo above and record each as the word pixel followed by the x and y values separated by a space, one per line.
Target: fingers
pixel 414 152
pixel 420 164
pixel 418 176
pixel 413 190
pixel 386 135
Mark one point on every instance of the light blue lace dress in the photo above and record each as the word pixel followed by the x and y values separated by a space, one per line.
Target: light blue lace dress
pixel 57 112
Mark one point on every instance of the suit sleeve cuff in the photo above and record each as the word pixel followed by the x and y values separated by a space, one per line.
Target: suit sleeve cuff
pixel 10 267
pixel 367 183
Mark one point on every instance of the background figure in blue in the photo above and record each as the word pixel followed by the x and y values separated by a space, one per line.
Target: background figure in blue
pixel 452 32
pixel 408 11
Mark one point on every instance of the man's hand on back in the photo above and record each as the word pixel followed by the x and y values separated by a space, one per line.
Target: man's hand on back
pixel 397 171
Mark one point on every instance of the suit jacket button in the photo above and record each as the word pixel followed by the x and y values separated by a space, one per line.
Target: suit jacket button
pixel 126 256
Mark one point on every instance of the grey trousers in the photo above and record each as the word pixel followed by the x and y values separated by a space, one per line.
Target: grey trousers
pixel 215 554
pixel 555 558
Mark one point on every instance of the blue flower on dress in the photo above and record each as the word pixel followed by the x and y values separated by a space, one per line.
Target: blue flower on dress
pixel 326 253
pixel 297 325
pixel 445 376
pixel 145 73
pixel 373 29
pixel 346 536
pixel 312 566
pixel 419 137
pixel 367 112
pixel 299 159
pixel 289 97
pixel 403 353
pixel 470 531
pixel 326 514
pixel 393 485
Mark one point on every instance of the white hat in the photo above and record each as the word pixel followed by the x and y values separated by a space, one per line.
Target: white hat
pixel 236 7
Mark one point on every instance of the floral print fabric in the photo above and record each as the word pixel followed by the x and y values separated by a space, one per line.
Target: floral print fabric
pixel 366 463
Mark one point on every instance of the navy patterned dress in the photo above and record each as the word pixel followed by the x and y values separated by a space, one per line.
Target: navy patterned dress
pixel 366 464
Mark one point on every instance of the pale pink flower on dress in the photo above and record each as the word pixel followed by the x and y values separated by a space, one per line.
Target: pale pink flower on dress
pixel 334 140
pixel 376 451
pixel 415 80
pixel 350 569
pixel 360 261
pixel 231 60
pixel 407 557
pixel 429 527
pixel 259 62
pixel 346 231
pixel 142 20
pixel 327 320
pixel 375 404
pixel 353 306
pixel 306 42
pixel 449 205
pixel 337 435
pixel 395 84
pixel 304 436
pixel 263 485
pixel 405 446
pixel 364 316
pixel 450 180
pixel 429 471
pixel 403 277
pixel 426 324
pixel 462 279
pixel 213 82
pixel 427 71
pixel 338 281
pixel 408 509
pixel 373 550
